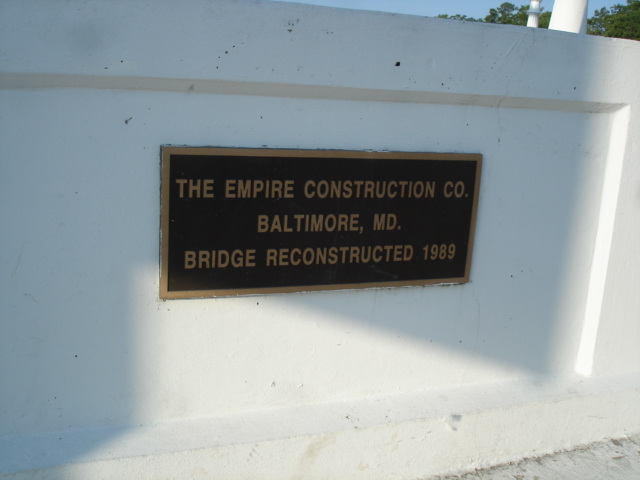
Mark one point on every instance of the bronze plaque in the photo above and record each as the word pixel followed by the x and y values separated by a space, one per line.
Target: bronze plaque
pixel 246 221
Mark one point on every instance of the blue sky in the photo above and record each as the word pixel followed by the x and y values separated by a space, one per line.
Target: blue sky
pixel 431 8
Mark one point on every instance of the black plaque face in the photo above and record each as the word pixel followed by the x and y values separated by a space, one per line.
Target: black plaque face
pixel 247 221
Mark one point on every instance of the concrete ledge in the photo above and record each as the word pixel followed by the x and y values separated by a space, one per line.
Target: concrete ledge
pixel 406 436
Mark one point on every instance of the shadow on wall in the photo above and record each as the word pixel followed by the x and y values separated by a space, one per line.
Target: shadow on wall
pixel 72 239
pixel 537 215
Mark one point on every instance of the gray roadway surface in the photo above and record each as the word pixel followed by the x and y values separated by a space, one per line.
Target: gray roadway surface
pixel 617 459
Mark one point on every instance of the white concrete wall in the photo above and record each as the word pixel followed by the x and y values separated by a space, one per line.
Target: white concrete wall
pixel 99 378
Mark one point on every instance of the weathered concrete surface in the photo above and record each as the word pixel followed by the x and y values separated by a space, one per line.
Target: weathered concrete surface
pixel 610 459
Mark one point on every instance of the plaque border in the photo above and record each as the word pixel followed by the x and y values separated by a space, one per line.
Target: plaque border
pixel 166 151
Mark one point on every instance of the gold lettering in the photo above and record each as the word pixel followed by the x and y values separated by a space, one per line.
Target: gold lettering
pixel 286 228
pixel 181 182
pixel 207 190
pixel 288 189
pixel 295 252
pixel 447 189
pixel 393 189
pixel 403 184
pixel 385 221
pixel 250 259
pixel 189 259
pixel 272 260
pixel 323 189
pixel 454 190
pixel 308 256
pixel 263 223
pixel 248 188
pixel 283 257
pixel 368 189
pixel 237 259
pixel 333 255
pixel 244 188
pixel 275 224
pixel 343 223
pixel 378 221
pixel 223 258
pixel 194 187
pixel 258 186
pixel 203 259
pixel 276 188
pixel 344 255
pixel 335 189
pixel 358 184
pixel 347 187
pixel 316 223
pixel 321 256
pixel 329 222
pixel 430 189
pixel 353 222
pixel 308 194
pixel 408 253
pixel 230 187
pixel 219 258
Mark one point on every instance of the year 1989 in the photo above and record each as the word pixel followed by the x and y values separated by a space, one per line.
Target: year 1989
pixel 442 251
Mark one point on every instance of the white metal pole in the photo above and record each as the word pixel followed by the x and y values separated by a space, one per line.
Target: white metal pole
pixel 534 14
pixel 569 16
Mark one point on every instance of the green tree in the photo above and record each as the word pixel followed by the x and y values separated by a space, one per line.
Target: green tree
pixel 624 21
pixel 543 21
pixel 596 24
pixel 458 17
pixel 508 14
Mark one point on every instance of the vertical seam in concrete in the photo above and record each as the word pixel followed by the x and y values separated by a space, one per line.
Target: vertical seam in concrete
pixel 604 237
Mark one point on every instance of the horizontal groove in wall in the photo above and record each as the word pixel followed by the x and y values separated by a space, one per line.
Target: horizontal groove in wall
pixel 268 89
